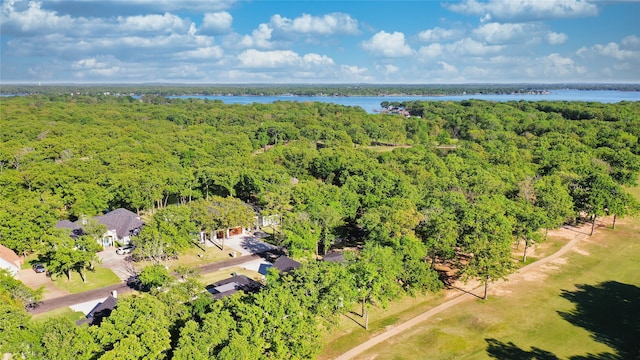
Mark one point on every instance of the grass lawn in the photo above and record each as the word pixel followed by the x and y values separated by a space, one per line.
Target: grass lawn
pixel 65 312
pixel 580 305
pixel 101 277
pixel 193 257
pixel 350 332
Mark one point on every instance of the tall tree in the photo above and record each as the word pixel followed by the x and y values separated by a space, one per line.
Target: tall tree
pixel 487 239
pixel 376 271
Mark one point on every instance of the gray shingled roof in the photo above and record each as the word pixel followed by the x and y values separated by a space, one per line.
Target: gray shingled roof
pixel 101 311
pixel 121 220
pixel 66 224
pixel 229 286
pixel 286 264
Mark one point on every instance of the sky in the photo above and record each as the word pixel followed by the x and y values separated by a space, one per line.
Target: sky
pixel 319 42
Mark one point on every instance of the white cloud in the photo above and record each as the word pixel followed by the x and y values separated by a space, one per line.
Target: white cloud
pixel 472 47
pixel 525 9
pixel 613 50
pixel 216 23
pixel 268 59
pixel 387 69
pixel 557 66
pixel 89 63
pixel 554 38
pixel 316 59
pixel 354 73
pixel 501 33
pixel 517 33
pixel 448 67
pixel 438 34
pixel 166 23
pixel 285 59
pixel 329 24
pixel 260 37
pixel 431 51
pixel 387 45
pixel 30 18
pixel 210 52
pixel 631 41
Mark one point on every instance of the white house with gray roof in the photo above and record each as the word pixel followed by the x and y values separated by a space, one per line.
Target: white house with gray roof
pixel 121 225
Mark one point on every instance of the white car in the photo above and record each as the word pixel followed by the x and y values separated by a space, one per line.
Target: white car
pixel 125 250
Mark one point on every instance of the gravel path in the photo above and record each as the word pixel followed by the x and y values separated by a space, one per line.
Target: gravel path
pixel 580 234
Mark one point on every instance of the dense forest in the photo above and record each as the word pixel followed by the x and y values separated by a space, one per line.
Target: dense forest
pixel 462 183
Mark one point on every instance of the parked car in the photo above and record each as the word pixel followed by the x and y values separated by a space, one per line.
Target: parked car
pixel 39 268
pixel 125 250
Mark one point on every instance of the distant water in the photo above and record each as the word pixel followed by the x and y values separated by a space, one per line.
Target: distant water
pixel 372 103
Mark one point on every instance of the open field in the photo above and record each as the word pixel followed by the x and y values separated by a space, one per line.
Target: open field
pixel 579 305
pixel 350 332
pixel 101 277
pixel 193 257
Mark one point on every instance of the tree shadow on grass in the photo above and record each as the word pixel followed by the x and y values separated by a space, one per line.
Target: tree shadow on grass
pixel 610 311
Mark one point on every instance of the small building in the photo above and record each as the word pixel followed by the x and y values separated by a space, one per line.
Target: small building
pixel 232 285
pixel 10 261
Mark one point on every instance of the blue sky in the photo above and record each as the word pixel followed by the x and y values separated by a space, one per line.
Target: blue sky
pixel 425 42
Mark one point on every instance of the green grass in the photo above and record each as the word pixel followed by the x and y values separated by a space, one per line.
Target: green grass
pixel 65 312
pixel 530 316
pixel 101 277
pixel 385 148
pixel 193 257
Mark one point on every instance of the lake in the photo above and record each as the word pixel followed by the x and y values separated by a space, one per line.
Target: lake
pixel 372 103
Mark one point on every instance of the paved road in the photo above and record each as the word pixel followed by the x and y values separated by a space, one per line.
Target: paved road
pixel 122 288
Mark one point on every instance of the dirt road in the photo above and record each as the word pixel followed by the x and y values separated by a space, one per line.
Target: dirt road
pixel 579 235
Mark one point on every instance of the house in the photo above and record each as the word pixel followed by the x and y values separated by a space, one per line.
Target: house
pixel 285 264
pixel 121 225
pixel 100 311
pixel 10 261
pixel 230 286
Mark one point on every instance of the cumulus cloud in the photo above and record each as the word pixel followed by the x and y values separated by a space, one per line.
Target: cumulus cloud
pixel 288 59
pixel 509 33
pixel 525 9
pixel 216 23
pixel 431 51
pixel 387 69
pixel 207 53
pixel 30 18
pixel 501 33
pixel 615 51
pixel 472 47
pixel 328 24
pixel 166 23
pixel 631 41
pixel 554 38
pixel 439 34
pixel 388 45
pixel 260 37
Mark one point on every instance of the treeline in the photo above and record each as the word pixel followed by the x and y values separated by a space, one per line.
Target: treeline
pixel 304 90
pixel 472 179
